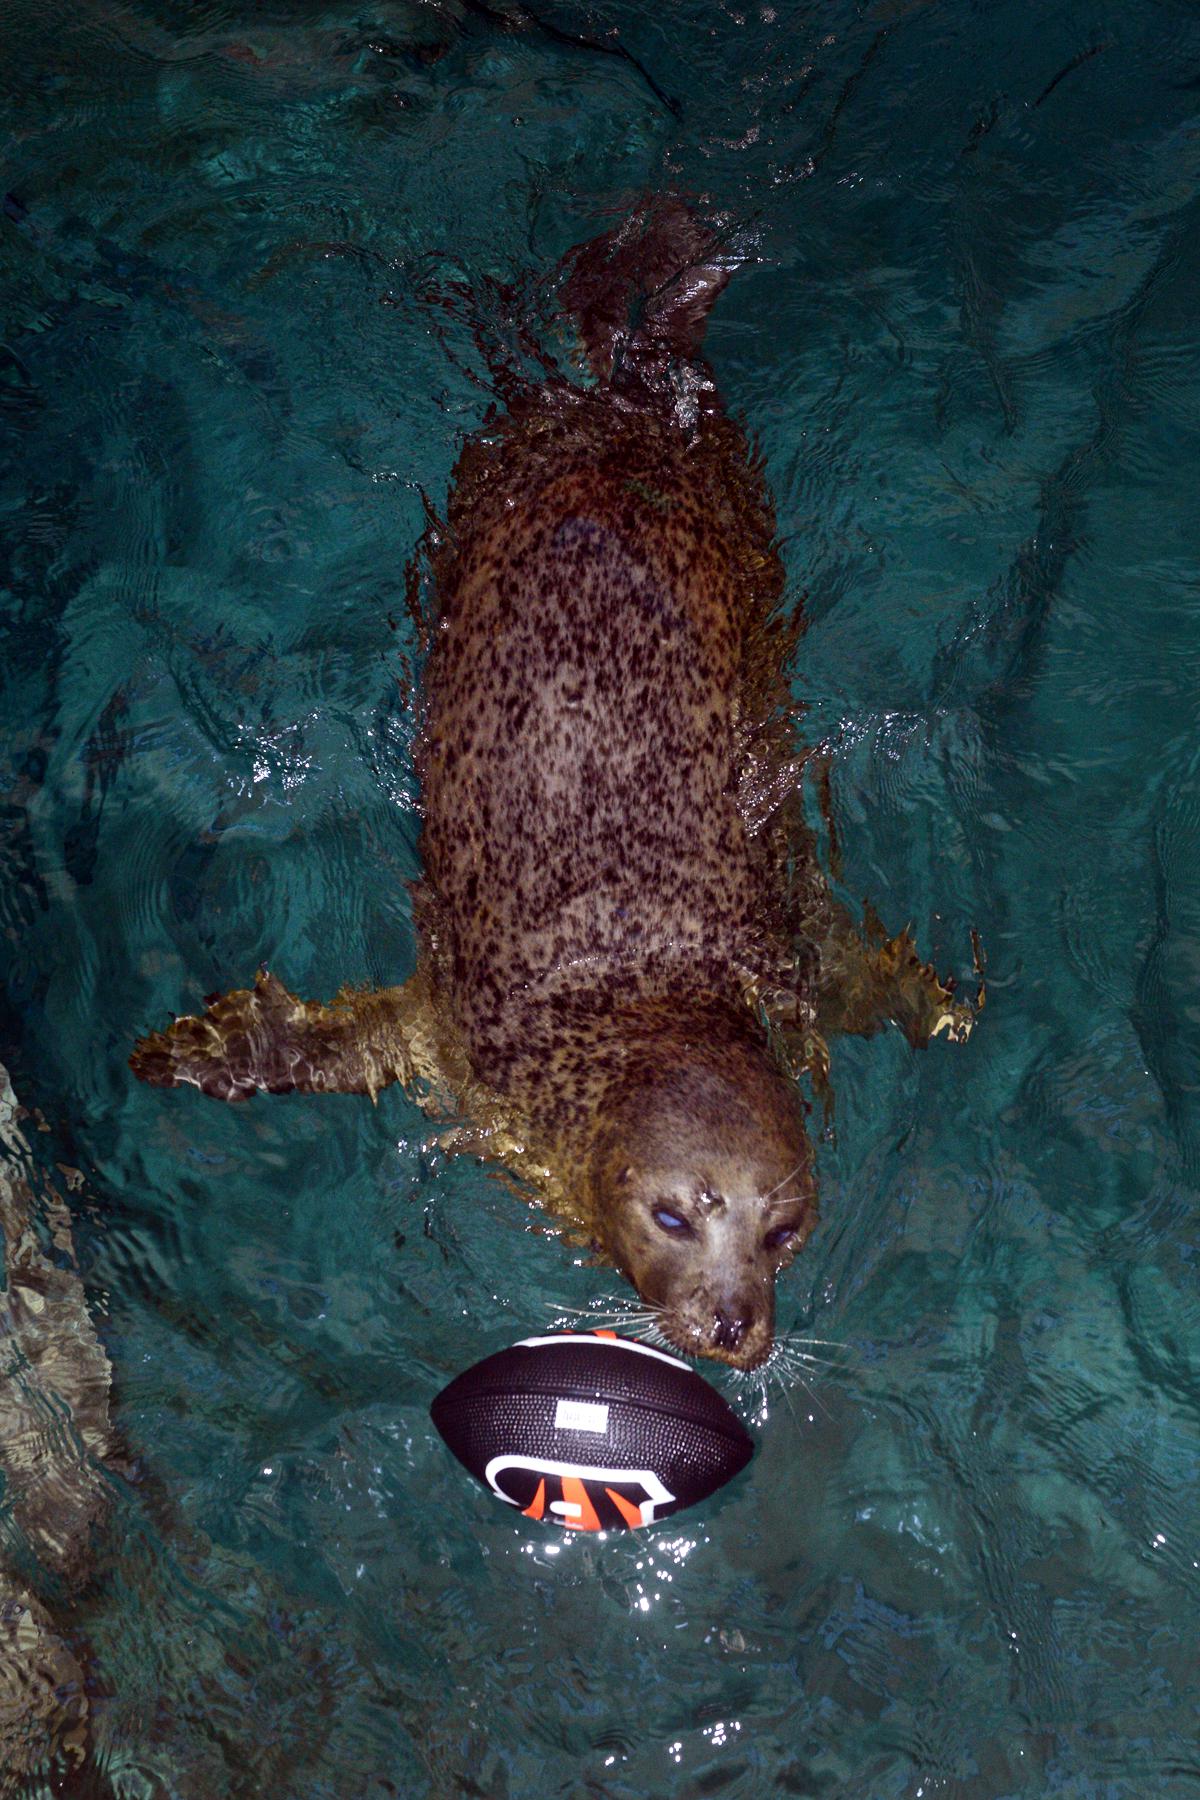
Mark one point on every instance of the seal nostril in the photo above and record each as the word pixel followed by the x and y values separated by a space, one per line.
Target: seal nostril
pixel 728 1332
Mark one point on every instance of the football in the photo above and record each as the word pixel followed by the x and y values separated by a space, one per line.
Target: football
pixel 591 1431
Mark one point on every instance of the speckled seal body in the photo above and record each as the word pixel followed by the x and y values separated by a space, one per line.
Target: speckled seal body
pixel 585 696
pixel 607 881
pixel 627 951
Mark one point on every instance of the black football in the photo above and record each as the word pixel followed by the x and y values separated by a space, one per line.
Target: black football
pixel 591 1431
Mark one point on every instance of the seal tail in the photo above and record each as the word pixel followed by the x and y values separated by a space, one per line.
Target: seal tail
pixel 641 293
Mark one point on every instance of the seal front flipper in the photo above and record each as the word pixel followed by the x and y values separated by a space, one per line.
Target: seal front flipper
pixel 868 978
pixel 264 1038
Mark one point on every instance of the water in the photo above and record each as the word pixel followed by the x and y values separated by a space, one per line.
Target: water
pixel 967 1564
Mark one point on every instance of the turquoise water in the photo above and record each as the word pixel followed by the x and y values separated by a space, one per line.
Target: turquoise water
pixel 966 1563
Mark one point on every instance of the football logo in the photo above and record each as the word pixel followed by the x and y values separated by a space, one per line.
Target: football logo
pixel 578 1495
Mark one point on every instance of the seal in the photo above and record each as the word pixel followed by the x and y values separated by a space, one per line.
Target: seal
pixel 628 950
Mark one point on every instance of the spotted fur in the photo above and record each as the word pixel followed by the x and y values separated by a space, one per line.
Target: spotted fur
pixel 625 937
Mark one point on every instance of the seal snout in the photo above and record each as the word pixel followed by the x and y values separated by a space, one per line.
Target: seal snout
pixel 733 1328
pixel 739 1333
pixel 728 1330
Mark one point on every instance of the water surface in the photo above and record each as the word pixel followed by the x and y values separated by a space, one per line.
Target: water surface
pixel 964 1565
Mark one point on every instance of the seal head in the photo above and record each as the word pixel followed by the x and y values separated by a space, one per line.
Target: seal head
pixel 703 1177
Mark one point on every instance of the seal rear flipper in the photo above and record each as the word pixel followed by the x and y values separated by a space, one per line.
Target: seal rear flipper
pixel 264 1038
pixel 643 291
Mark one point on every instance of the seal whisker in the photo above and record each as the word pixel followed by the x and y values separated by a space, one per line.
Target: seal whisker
pixel 813 1396
pixel 790 1176
pixel 613 1312
pixel 611 1306
pixel 799 1353
pixel 761 1381
pixel 632 1319
pixel 805 1359
pixel 799 1359
pixel 788 1401
pixel 803 1339
pixel 793 1370
pixel 789 1365
pixel 654 1334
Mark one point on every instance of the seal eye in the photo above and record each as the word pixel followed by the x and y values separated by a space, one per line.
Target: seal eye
pixel 666 1220
pixel 776 1239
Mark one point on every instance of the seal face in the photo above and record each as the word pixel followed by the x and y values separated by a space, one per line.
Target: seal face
pixel 704 1180
pixel 627 948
